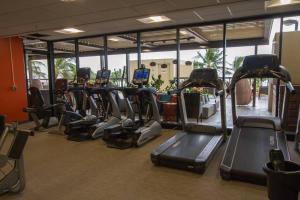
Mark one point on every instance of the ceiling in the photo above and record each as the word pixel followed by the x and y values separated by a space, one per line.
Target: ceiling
pixel 106 16
pixel 248 32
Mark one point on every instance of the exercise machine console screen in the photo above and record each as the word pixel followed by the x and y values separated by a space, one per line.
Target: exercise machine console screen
pixel 102 77
pixel 83 74
pixel 141 76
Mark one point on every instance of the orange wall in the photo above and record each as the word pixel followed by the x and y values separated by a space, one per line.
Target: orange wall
pixel 12 102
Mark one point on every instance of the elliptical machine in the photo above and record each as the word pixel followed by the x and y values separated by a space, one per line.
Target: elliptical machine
pixel 12 177
pixel 102 97
pixel 136 132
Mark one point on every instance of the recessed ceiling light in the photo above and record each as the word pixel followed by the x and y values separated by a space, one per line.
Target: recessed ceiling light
pixel 146 50
pixel 113 39
pixel 276 3
pixel 154 19
pixel 69 31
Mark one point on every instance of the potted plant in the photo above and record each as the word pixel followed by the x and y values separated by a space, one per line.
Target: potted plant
pixel 157 82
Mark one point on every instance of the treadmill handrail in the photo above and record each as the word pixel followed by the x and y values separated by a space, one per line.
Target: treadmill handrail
pixel 261 66
pixel 290 87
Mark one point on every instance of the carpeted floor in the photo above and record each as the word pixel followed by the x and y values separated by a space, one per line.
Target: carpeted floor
pixel 57 169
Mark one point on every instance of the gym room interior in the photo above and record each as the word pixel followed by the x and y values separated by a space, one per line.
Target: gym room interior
pixel 149 99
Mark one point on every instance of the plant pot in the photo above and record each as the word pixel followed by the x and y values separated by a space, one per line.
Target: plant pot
pixel 243 92
pixel 192 104
pixel 283 184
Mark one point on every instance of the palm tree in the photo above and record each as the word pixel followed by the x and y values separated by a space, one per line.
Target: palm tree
pixel 116 76
pixel 36 67
pixel 237 63
pixel 65 67
pixel 212 58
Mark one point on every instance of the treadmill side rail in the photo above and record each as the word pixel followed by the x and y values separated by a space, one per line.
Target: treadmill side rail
pixel 167 144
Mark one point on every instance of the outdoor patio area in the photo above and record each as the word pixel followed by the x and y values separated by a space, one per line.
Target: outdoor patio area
pixel 261 109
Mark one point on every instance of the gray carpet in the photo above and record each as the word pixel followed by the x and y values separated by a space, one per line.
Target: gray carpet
pixel 57 169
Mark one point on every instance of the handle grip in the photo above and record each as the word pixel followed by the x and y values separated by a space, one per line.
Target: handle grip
pixel 290 87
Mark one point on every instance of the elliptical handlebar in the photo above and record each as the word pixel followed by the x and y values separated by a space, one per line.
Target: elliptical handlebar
pixel 290 87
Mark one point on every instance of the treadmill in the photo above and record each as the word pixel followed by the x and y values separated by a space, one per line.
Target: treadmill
pixel 193 148
pixel 252 137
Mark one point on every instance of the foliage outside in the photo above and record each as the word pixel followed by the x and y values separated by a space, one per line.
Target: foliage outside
pixel 211 58
pixel 157 82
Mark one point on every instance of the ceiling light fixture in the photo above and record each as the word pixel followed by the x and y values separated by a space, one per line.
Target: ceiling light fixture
pixel 113 39
pixel 277 3
pixel 69 31
pixel 146 50
pixel 154 19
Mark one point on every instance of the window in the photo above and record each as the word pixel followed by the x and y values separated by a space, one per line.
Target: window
pixel 91 54
pixel 159 55
pixel 196 44
pixel 243 39
pixel 37 66
pixel 64 62
pixel 121 50
pixel 201 47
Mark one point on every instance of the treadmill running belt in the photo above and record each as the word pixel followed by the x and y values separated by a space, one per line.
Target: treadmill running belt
pixel 248 151
pixel 253 148
pixel 185 147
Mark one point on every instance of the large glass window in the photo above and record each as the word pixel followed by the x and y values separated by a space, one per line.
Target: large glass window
pixel 37 66
pixel 65 62
pixel 91 54
pixel 159 55
pixel 243 39
pixel 201 47
pixel 121 50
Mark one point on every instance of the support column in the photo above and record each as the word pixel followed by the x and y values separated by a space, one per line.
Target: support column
pixel 77 54
pixel 127 68
pixel 139 50
pixel 224 51
pixel 280 56
pixel 51 72
pixel 105 53
pixel 177 56
pixel 254 84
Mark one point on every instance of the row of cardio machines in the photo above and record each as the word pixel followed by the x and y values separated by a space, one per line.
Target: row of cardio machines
pixel 251 139
pixel 106 104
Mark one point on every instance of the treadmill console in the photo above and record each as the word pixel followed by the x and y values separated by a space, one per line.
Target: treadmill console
pixel 83 74
pixel 102 77
pixel 141 76
pixel 61 84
